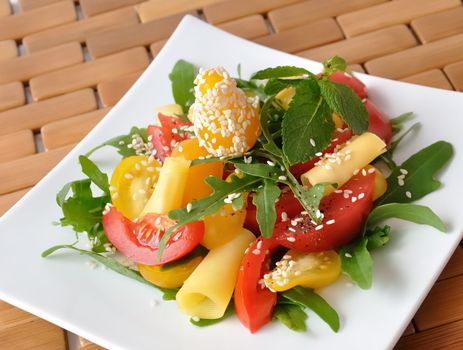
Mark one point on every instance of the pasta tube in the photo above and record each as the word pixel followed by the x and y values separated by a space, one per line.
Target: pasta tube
pixel 340 166
pixel 208 290
pixel 168 193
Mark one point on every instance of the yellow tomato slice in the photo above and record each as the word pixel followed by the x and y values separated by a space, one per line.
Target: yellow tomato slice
pixel 311 270
pixel 380 185
pixel 170 275
pixel 132 183
pixel 196 187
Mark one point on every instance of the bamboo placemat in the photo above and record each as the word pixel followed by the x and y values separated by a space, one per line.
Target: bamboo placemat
pixel 64 64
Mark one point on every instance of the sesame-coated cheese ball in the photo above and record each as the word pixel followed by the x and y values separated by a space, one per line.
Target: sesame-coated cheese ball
pixel 226 121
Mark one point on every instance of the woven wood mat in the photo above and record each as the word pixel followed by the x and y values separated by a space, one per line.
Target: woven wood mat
pixel 64 64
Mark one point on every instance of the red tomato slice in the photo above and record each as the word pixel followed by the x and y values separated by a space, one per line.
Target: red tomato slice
pixel 349 80
pixel 339 138
pixel 286 203
pixel 254 302
pixel 343 219
pixel 162 136
pixel 139 241
pixel 379 124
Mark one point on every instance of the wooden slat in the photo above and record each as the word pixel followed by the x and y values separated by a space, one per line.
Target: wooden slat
pixel 35 115
pixel 12 316
pixel 27 5
pixel 155 9
pixel 447 337
pixel 409 330
pixel 296 39
pixel 16 145
pixel 442 305
pixel 80 30
pixel 91 347
pixel 311 10
pixel 418 59
pixel 390 13
pixel 12 95
pixel 232 9
pixel 18 26
pixel 25 67
pixel 8 49
pixel 7 201
pixel 88 74
pixel 455 73
pixel 439 25
pixel 29 332
pixel 70 130
pixel 367 46
pixel 95 7
pixel 249 27
pixel 156 47
pixel 454 266
pixel 128 37
pixel 27 171
pixel 434 78
pixel 5 8
pixel 111 91
pixel 357 68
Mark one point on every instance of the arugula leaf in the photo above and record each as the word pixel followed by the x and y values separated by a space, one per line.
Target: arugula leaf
pixel 309 198
pixel 114 265
pixel 122 142
pixel 62 194
pixel 291 315
pixel 208 205
pixel 307 298
pixel 397 122
pixel 182 78
pixel 333 65
pixel 378 237
pixel 94 174
pixel 264 200
pixel 251 86
pixel 418 214
pixel 280 72
pixel 204 322
pixel 343 100
pixel 396 142
pixel 274 86
pixel 421 169
pixel 307 125
pixel 265 116
pixel 356 262
pixel 258 169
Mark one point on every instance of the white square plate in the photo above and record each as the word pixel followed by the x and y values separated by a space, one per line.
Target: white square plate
pixel 115 311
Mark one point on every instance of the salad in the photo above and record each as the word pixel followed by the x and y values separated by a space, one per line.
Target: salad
pixel 248 196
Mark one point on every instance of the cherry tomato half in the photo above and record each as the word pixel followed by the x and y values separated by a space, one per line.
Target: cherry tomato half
pixel 379 124
pixel 139 241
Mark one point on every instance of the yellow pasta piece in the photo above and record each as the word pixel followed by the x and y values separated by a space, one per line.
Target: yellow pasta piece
pixel 208 290
pixel 168 193
pixel 340 166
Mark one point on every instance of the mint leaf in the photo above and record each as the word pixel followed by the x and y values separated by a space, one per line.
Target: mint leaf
pixel 203 322
pixel 280 72
pixel 123 143
pixel 114 265
pixel 307 125
pixel 264 200
pixel 343 100
pixel 182 78
pixel 307 298
pixel 94 174
pixel 291 315
pixel 356 262
pixel 274 86
pixel 418 214
pixel 333 65
pixel 419 180
pixel 378 237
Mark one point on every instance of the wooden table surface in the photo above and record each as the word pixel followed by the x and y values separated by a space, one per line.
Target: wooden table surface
pixel 64 64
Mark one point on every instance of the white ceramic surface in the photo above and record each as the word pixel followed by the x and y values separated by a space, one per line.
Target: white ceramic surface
pixel 115 311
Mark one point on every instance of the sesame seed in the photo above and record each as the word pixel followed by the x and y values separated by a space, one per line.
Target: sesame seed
pixel 361 195
pixel 401 182
pixel 282 178
pixel 284 216
pixel 348 255
pixel 330 222
pixel 356 171
pixel 371 170
pixel 319 154
pixel 408 194
pixel 291 229
pixel 404 171
pixel 115 195
pixel 256 252
pixel 364 172
pixel 291 239
pixel 401 177
pixel 189 206
pixel 312 142
pixel 270 163
pixel 128 176
pixel 319 227
pixel 195 318
pixel 353 199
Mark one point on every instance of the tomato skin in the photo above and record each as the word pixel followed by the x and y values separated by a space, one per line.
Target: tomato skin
pixel 340 137
pixel 286 203
pixel 163 138
pixel 121 232
pixel 349 80
pixel 254 303
pixel 379 124
pixel 349 218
